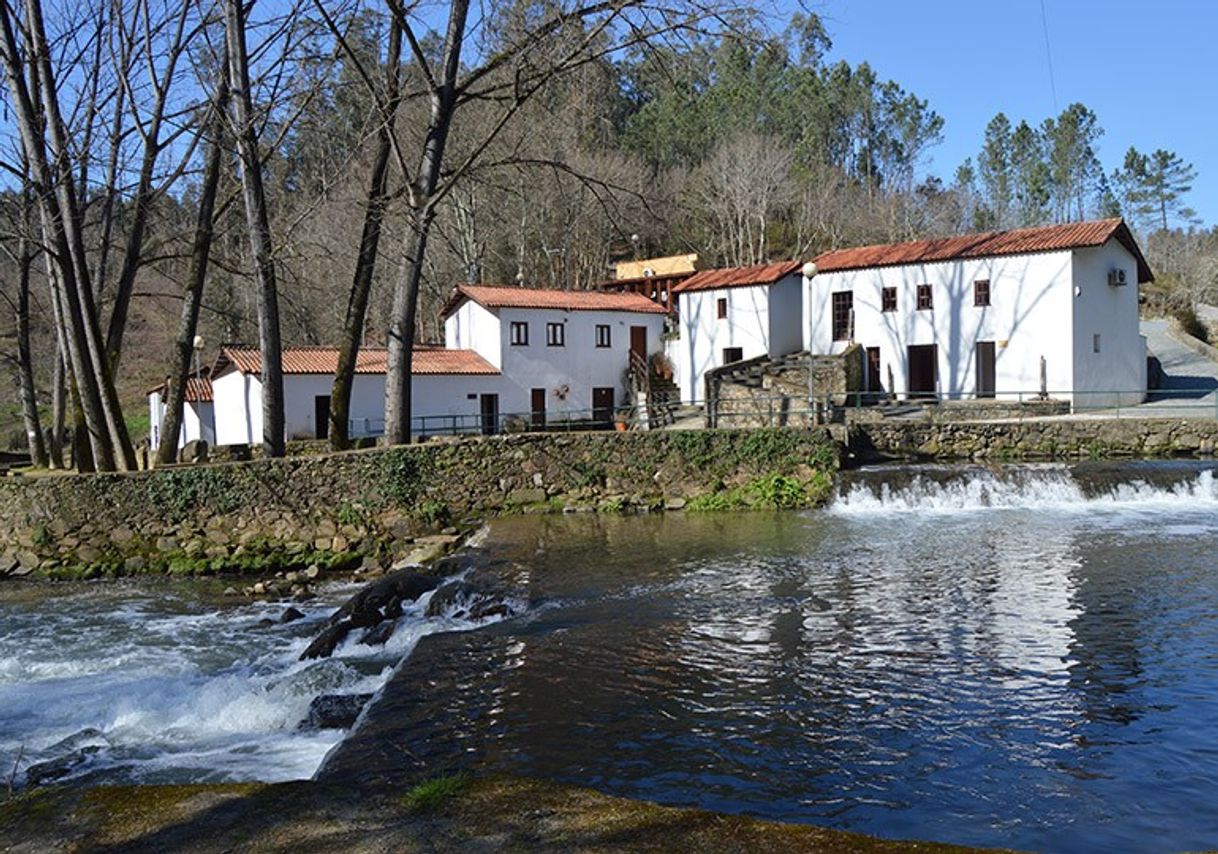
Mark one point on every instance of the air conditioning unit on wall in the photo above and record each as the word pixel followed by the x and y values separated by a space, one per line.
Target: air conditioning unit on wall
pixel 1116 278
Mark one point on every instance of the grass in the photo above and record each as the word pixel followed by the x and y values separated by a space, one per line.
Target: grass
pixel 435 793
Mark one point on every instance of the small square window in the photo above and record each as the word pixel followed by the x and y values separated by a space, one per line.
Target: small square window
pixel 721 307
pixel 519 334
pixel 1095 343
pixel 603 335
pixel 556 335
pixel 981 292
pixel 925 301
pixel 888 299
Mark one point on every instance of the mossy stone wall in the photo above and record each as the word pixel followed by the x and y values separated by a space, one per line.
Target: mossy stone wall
pixel 332 509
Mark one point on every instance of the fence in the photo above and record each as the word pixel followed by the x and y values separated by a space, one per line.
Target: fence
pixel 574 420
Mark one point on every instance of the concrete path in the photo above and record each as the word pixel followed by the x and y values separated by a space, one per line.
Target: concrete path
pixel 1190 387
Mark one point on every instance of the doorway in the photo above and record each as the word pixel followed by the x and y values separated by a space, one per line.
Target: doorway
pixel 321 416
pixel 638 343
pixel 537 398
pixel 923 364
pixel 489 404
pixel 985 369
pixel 602 406
pixel 873 370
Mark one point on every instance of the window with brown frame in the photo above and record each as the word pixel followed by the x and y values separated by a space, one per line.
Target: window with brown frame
pixel 721 307
pixel 556 335
pixel 843 308
pixel 520 334
pixel 981 292
pixel 603 335
pixel 888 299
pixel 925 301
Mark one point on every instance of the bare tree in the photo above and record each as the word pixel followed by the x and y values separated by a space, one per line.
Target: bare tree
pixel 258 222
pixel 200 256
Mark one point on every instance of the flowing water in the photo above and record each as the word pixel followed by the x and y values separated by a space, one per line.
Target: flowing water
pixel 156 683
pixel 1023 657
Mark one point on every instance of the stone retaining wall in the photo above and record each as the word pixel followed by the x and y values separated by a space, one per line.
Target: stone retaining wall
pixel 1084 438
pixel 273 514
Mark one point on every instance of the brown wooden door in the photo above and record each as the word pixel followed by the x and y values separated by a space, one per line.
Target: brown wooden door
pixel 489 404
pixel 638 343
pixel 602 406
pixel 538 400
pixel 873 370
pixel 985 368
pixel 321 416
pixel 923 361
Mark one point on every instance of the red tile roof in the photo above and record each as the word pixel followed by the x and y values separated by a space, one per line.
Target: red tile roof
pixel 505 296
pixel 371 360
pixel 1020 241
pixel 198 389
pixel 736 277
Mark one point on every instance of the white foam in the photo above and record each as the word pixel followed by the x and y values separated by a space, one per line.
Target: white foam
pixel 1046 489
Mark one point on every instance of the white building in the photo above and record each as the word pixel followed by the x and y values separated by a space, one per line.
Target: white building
pixel 561 353
pixel 198 416
pixel 450 390
pixel 975 315
pixel 734 313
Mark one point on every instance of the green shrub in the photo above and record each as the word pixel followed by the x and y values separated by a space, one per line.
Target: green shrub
pixel 435 793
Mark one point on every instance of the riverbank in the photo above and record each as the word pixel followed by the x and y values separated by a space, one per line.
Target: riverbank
pixel 383 505
pixel 488 814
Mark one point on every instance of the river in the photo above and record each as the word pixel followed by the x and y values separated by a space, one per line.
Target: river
pixel 1017 656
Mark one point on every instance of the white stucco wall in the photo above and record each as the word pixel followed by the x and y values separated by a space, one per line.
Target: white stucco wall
pixel 231 393
pixel 239 404
pixel 1112 313
pixel 569 373
pixel 762 320
pixel 472 327
pixel 1029 316
pixel 197 421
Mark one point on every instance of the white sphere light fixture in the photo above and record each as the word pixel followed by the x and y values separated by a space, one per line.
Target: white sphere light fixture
pixel 199 342
pixel 809 269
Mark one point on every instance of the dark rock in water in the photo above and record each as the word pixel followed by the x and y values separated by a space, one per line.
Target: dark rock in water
pixel 323 645
pixel 460 599
pixel 42 773
pixel 291 615
pixel 264 623
pixel 379 634
pixel 383 599
pixel 380 601
pixel 334 711
pixel 453 599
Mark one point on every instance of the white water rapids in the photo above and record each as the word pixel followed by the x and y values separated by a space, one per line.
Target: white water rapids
pixel 1018 487
pixel 148 684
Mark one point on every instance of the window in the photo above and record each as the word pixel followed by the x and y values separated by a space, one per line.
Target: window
pixel 556 335
pixel 924 298
pixel 843 315
pixel 603 338
pixel 721 307
pixel 733 354
pixel 520 334
pixel 981 292
pixel 1095 343
pixel 888 299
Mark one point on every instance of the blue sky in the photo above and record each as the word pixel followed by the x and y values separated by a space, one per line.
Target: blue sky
pixel 1148 70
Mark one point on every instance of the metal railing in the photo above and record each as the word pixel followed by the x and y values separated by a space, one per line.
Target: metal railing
pixel 1196 402
pixel 570 420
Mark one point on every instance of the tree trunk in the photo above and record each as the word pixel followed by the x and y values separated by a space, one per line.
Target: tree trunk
pixel 25 367
pixel 258 223
pixel 365 261
pixel 183 346
pixel 59 406
pixel 406 292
